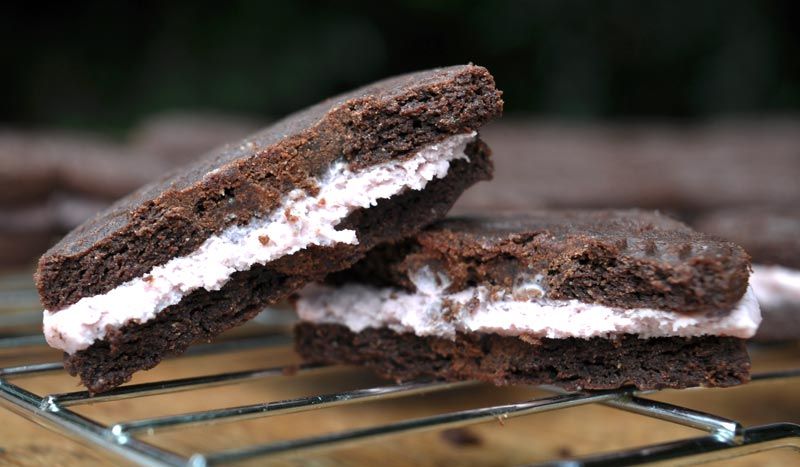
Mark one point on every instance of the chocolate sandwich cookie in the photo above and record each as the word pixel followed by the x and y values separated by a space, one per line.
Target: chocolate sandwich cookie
pixel 25 176
pixel 36 164
pixel 19 249
pixel 771 234
pixel 28 231
pixel 680 169
pixel 25 234
pixel 52 181
pixel 205 248
pixel 59 213
pixel 180 138
pixel 580 299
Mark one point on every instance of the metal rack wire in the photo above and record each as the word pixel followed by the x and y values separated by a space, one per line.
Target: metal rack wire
pixel 723 438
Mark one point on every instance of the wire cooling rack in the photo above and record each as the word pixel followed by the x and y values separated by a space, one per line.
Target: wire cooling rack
pixel 133 439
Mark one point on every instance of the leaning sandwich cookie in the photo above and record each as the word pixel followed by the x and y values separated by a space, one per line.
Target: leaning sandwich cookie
pixel 205 248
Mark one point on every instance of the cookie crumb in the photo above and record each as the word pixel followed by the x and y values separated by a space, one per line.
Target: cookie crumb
pixel 264 239
pixel 564 452
pixel 461 437
pixel 290 370
pixel 450 310
pixel 530 339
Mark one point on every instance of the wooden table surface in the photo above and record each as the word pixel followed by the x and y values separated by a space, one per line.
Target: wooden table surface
pixel 550 435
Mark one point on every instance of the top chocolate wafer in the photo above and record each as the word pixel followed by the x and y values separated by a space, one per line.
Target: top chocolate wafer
pixel 619 258
pixel 384 121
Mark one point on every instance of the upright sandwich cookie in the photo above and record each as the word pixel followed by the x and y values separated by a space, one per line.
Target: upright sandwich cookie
pixel 581 299
pixel 204 249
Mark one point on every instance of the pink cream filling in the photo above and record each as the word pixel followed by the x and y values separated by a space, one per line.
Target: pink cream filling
pixel 301 221
pixel 520 312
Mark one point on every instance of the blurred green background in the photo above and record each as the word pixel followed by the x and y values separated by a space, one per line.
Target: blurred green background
pixel 105 65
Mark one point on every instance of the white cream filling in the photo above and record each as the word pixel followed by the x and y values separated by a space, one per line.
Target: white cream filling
pixel 520 312
pixel 300 221
pixel 776 286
